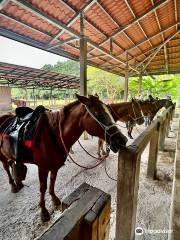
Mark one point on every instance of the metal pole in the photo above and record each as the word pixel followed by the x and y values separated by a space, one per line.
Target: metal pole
pixel 140 85
pixel 126 80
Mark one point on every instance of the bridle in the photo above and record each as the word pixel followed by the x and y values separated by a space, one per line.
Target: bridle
pixel 134 112
pixel 106 128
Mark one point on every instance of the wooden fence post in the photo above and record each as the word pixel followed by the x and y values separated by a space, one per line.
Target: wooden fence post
pixel 153 152
pixel 162 137
pixel 174 224
pixel 168 123
pixel 127 192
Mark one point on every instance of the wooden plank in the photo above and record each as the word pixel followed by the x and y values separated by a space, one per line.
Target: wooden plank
pixel 153 153
pixel 127 192
pixel 95 224
pixel 63 228
pixel 75 195
pixel 162 135
pixel 97 220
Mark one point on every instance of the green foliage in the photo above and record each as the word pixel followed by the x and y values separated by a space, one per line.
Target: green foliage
pixel 105 84
pixel 68 67
pixel 157 86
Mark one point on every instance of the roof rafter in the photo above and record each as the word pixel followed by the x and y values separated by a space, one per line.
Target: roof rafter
pixel 159 48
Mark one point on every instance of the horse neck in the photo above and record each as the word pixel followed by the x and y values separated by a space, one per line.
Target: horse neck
pixel 69 124
pixel 119 110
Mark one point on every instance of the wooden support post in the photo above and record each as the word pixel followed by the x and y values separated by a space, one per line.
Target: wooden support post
pixel 127 192
pixel 140 85
pixel 174 224
pixel 168 124
pixel 126 87
pixel 162 136
pixel 83 63
pixel 34 97
pixel 153 152
pixel 83 59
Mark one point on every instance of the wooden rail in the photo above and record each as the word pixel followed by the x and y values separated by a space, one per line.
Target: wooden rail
pixel 128 172
pixel 86 216
pixel 174 225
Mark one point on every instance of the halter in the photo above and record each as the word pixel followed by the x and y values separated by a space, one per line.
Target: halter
pixel 136 118
pixel 106 128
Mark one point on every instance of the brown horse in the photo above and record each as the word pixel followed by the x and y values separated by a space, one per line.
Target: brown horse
pixel 55 133
pixel 150 108
pixel 124 112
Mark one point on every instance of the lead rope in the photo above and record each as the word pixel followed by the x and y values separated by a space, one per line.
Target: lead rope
pixel 62 140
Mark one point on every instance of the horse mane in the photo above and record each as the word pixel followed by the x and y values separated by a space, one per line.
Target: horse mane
pixel 54 117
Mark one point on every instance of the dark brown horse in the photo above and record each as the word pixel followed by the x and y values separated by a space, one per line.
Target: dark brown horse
pixel 150 108
pixel 123 112
pixel 55 128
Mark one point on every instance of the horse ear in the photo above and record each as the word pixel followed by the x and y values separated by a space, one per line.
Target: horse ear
pixel 83 99
pixel 132 99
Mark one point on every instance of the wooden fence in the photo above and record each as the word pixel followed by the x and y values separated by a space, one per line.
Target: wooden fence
pixel 174 225
pixel 129 168
pixel 86 216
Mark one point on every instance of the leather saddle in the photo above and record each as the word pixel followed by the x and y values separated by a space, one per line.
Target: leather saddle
pixel 22 128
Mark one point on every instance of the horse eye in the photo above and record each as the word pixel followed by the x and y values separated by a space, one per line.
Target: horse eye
pixel 96 114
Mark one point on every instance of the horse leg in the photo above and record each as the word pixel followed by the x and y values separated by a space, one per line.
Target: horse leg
pixel 99 147
pixel 14 188
pixel 43 174
pixel 102 149
pixel 55 199
pixel 128 125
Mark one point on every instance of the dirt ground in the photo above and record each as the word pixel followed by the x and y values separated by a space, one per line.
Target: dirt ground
pixel 19 213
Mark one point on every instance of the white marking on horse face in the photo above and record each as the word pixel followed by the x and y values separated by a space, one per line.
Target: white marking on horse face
pixel 108 112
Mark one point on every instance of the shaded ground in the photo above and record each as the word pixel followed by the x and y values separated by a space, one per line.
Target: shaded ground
pixel 19 213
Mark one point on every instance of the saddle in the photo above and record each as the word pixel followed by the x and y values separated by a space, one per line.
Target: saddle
pixel 21 129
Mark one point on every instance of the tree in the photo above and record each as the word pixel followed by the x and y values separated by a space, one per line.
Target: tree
pixel 159 86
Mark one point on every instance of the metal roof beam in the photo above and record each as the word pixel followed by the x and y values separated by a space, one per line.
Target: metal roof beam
pixel 49 47
pixel 166 58
pixel 155 7
pixel 96 28
pixel 157 19
pixel 75 17
pixel 23 39
pixel 134 15
pixel 159 48
pixel 163 30
pixel 59 24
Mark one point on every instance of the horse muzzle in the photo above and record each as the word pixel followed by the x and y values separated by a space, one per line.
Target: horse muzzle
pixel 140 121
pixel 117 142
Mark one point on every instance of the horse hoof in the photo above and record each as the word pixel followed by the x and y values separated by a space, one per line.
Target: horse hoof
pixel 14 189
pixel 45 216
pixel 19 185
pixel 56 201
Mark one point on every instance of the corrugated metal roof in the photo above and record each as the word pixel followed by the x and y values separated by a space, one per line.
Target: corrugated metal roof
pixel 138 28
pixel 20 76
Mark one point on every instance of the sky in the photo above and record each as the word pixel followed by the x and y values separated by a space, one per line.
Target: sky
pixel 22 54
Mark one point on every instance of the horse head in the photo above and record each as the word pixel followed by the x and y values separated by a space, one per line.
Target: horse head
pixel 137 111
pixel 98 121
